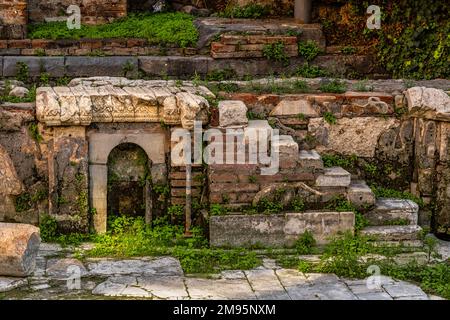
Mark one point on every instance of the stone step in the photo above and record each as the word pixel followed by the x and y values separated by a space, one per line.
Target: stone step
pixel 310 159
pixel 360 194
pixel 393 211
pixel 334 177
pixel 286 145
pixel 393 233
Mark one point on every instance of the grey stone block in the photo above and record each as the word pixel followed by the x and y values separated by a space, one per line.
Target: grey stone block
pixel 174 65
pixel 334 177
pixel 310 159
pixel 277 230
pixel 36 66
pixel 388 211
pixel 101 66
pixel 360 195
pixel 393 233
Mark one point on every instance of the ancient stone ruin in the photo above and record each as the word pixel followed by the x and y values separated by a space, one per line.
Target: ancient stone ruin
pixel 103 145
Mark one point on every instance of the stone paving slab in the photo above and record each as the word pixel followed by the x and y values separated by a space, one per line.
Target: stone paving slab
pixel 163 278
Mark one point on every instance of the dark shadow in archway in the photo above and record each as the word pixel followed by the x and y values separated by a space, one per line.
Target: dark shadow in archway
pixel 129 182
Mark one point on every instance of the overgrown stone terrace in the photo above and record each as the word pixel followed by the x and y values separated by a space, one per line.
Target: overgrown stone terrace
pixel 366 157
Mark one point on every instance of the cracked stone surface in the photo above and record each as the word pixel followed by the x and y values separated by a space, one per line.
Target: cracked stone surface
pixel 161 278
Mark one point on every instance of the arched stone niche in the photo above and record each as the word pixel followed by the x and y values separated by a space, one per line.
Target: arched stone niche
pixel 100 146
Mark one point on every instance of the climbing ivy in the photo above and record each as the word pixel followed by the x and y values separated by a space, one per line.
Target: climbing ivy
pixel 414 39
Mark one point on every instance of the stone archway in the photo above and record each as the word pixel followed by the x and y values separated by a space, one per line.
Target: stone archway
pixel 100 146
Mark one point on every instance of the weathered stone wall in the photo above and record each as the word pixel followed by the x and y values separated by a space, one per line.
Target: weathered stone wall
pixel 23 166
pixel 92 11
pixel 13 19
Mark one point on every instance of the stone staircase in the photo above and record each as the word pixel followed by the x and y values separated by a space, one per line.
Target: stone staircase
pixel 389 219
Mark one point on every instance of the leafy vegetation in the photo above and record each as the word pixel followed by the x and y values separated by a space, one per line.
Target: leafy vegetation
pixel 305 243
pixel 342 256
pixel 334 86
pixel 308 50
pixel 310 71
pixel 413 40
pixel 329 117
pixel 276 52
pixel 161 28
pixel 331 160
pixel 128 237
pixel 249 11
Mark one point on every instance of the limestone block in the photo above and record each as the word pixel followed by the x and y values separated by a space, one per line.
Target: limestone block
pixel 310 159
pixel 360 194
pixel 390 210
pixel 19 244
pixel 286 146
pixel 20 92
pixel 277 230
pixel 358 136
pixel 334 177
pixel 429 102
pixel 232 113
pixel 392 233
pixel 192 108
pixel 294 108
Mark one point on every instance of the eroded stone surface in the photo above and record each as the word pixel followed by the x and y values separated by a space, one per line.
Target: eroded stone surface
pixel 162 266
pixel 19 245
pixel 334 177
pixel 120 100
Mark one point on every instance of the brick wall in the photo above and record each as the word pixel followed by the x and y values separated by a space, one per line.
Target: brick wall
pixel 251 46
pixel 92 11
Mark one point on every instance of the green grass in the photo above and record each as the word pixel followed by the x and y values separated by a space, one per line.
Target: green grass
pixel 335 86
pixel 130 237
pixel 160 28
pixel 342 256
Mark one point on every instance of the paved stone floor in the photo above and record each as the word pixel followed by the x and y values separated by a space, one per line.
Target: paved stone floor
pixel 57 276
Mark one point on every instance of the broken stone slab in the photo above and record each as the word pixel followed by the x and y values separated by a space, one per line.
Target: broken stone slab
pixel 232 113
pixel 19 245
pixel 360 194
pixel 8 284
pixel 393 233
pixel 219 289
pixel 404 289
pixel 389 210
pixel 167 287
pixel 165 266
pixel 20 92
pixel 61 269
pixel 428 102
pixel 310 159
pixel 334 177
